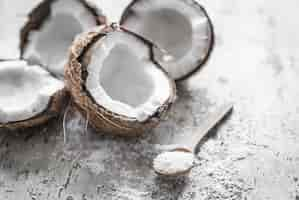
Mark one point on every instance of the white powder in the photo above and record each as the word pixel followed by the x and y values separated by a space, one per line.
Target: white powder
pixel 173 162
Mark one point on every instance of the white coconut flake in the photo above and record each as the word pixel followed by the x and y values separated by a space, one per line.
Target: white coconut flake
pixel 173 162
pixel 25 91
pixel 123 79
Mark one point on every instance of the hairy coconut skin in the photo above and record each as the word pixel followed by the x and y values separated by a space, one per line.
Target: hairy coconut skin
pixel 57 103
pixel 127 12
pixel 100 118
pixel 41 12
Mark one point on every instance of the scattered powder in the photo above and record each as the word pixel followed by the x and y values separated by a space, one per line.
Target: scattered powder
pixel 173 162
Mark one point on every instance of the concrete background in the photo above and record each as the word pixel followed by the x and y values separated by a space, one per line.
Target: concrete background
pixel 253 155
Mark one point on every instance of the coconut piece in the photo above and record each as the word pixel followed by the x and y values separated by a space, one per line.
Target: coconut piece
pixel 181 28
pixel 115 82
pixel 29 95
pixel 51 28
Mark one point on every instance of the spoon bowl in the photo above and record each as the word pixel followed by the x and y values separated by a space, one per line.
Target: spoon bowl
pixel 177 162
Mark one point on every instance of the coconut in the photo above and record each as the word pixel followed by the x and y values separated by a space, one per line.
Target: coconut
pixel 116 83
pixel 181 28
pixel 51 28
pixel 29 95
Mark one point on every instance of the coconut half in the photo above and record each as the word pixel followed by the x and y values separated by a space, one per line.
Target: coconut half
pixel 115 82
pixel 51 28
pixel 181 28
pixel 29 95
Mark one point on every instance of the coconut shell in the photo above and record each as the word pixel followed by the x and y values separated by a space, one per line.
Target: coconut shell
pixel 58 101
pixel 127 12
pixel 56 105
pixel 99 117
pixel 42 11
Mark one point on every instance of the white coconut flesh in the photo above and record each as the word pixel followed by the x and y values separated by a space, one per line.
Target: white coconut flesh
pixel 179 27
pixel 49 45
pixel 123 79
pixel 25 91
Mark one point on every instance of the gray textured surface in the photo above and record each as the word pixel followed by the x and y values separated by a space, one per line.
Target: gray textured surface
pixel 254 155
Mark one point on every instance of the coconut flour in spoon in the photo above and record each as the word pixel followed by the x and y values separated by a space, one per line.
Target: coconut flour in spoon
pixel 174 162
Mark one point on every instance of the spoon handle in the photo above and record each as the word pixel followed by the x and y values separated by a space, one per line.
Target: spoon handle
pixel 208 125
